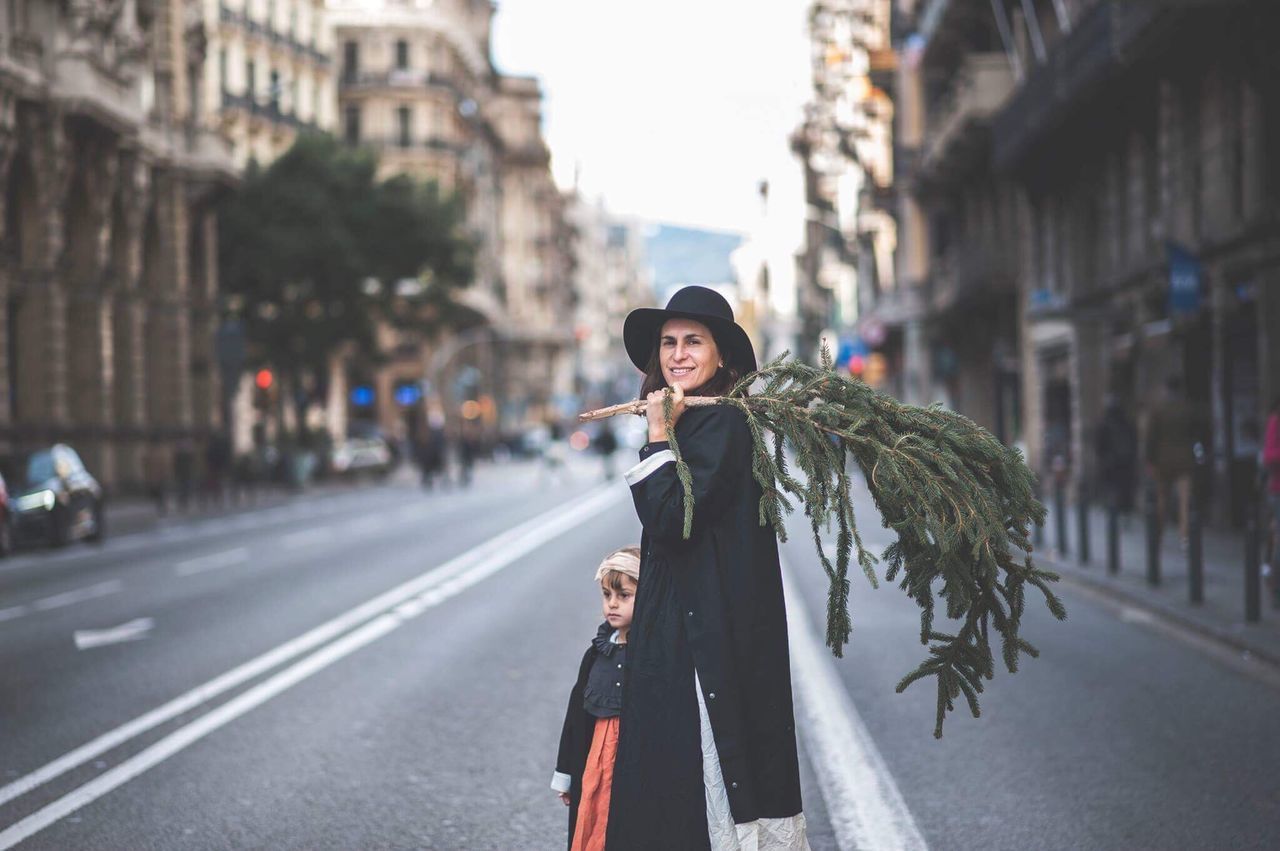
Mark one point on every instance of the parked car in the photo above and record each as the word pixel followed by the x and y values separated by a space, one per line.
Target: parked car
pixel 6 520
pixel 60 501
pixel 361 455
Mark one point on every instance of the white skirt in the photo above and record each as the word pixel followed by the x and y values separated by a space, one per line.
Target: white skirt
pixel 766 834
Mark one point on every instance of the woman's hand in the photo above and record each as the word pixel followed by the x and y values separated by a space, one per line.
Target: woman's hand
pixel 653 410
pixel 564 796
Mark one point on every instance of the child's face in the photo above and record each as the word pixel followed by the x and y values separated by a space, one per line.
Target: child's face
pixel 619 603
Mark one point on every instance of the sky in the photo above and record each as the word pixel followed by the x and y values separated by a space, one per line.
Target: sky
pixel 670 111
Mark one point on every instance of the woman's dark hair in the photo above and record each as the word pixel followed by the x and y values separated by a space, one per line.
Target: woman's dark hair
pixel 718 385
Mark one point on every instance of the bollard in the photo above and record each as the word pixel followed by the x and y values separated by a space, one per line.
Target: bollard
pixel 1195 550
pixel 1153 537
pixel 1113 538
pixel 1060 516
pixel 1252 571
pixel 1082 521
pixel 1037 534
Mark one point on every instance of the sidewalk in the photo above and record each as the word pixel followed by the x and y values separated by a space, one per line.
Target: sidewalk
pixel 1220 616
pixel 138 514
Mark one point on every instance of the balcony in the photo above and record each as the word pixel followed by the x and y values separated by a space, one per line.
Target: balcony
pixel 958 122
pixel 269 34
pixel 266 111
pixel 399 78
pixel 968 274
pixel 1103 42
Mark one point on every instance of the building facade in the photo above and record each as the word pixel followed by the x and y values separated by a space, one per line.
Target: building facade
pixel 1087 198
pixel 269 74
pixel 845 148
pixel 108 250
pixel 417 83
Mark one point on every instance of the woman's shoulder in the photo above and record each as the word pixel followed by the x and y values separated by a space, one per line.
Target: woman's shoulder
pixel 713 418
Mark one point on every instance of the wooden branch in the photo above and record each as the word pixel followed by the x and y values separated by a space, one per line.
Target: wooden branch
pixel 637 406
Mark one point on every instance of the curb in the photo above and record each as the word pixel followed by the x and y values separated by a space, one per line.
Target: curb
pixel 1166 612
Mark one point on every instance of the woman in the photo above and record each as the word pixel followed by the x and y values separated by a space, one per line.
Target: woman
pixel 707 752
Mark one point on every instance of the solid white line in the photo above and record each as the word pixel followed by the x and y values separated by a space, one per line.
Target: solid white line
pixel 79 595
pixel 12 612
pixel 496 560
pixel 134 630
pixel 428 587
pixel 865 807
pixel 213 561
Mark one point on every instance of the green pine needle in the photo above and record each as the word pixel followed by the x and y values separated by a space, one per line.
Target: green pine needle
pixel 960 502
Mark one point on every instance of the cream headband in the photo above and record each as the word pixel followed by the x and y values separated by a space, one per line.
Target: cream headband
pixel 625 563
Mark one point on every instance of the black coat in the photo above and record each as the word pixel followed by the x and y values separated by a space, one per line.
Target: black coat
pixel 575 739
pixel 714 602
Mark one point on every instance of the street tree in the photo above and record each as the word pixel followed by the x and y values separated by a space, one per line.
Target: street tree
pixel 314 250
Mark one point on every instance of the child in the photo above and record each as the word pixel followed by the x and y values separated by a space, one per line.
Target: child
pixel 589 742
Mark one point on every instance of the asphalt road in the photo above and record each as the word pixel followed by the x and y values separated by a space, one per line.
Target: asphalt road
pixel 387 668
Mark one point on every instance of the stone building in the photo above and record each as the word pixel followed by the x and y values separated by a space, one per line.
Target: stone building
pixel 1088 201
pixel 845 147
pixel 107 253
pixel 269 75
pixel 417 83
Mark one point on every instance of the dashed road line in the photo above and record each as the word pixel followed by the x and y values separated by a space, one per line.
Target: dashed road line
pixel 330 642
pixel 79 595
pixel 212 561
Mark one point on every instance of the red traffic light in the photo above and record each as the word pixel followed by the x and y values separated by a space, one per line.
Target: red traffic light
pixel 264 379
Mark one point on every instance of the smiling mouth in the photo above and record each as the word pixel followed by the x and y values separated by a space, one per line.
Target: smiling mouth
pixel 680 371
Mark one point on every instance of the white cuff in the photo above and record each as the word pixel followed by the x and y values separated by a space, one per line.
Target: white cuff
pixel 645 468
pixel 560 782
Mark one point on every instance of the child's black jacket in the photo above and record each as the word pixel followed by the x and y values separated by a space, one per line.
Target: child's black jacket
pixel 575 738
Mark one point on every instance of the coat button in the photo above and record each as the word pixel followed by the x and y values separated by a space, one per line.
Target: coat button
pixel 690 614
pixel 733 785
pixel 619 666
pixel 711 696
pixel 619 685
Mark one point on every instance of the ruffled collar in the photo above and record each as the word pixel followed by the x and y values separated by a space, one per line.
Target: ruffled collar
pixel 605 642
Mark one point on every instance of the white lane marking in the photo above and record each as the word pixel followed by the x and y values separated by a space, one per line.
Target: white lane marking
pixel 134 630
pixel 12 612
pixel 213 561
pixel 427 587
pixel 1128 614
pixel 368 523
pixel 306 538
pixel 863 801
pixel 79 595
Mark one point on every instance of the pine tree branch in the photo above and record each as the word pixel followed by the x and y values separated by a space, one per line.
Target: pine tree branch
pixel 961 504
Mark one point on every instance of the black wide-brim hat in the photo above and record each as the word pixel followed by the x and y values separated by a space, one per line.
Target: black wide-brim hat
pixel 701 304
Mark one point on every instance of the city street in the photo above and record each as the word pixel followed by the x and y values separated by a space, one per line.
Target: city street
pixel 387 668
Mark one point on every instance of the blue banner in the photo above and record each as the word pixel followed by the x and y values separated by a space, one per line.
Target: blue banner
pixel 1186 280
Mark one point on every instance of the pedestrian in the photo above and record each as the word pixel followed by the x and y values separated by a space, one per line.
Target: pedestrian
pixel 589 741
pixel 184 472
pixel 554 454
pixel 1271 466
pixel 1171 437
pixel 607 444
pixel 1116 444
pixel 431 452
pixel 155 475
pixel 707 745
pixel 468 451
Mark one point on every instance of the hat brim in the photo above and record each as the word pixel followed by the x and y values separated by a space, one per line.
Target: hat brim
pixel 642 326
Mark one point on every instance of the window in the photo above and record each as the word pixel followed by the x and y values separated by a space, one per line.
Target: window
pixel 404 123
pixel 250 80
pixel 351 125
pixel 273 93
pixel 350 61
pixel 402 55
pixel 222 69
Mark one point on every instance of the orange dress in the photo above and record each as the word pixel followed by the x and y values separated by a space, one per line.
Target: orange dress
pixel 597 783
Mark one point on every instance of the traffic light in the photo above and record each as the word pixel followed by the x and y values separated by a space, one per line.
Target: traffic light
pixel 264 392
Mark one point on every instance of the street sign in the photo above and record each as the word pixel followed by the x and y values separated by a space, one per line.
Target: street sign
pixel 1185 279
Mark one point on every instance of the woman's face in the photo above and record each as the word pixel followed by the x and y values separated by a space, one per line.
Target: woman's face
pixel 688 354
